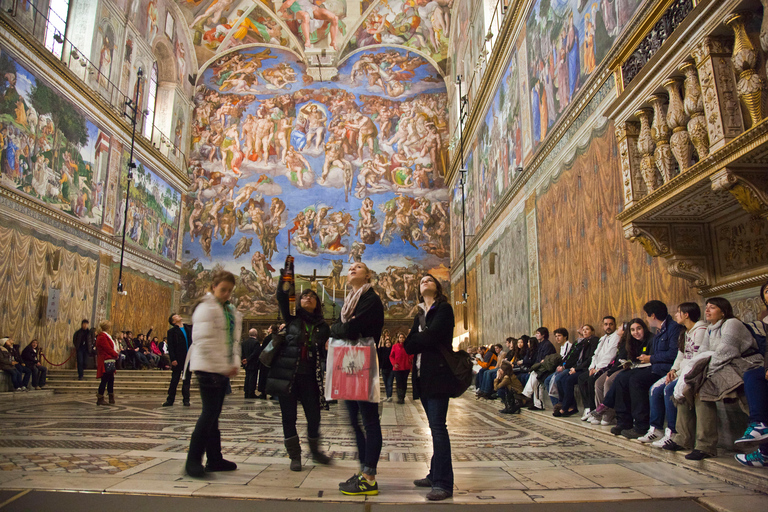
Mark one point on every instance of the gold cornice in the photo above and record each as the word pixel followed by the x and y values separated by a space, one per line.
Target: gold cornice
pixel 114 241
pixel 105 110
pixel 728 154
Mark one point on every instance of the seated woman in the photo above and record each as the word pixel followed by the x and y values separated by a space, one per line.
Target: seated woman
pixel 756 389
pixel 9 365
pixel 635 337
pixel 31 357
pixel 734 351
pixel 508 387
pixel 154 359
pixel 164 362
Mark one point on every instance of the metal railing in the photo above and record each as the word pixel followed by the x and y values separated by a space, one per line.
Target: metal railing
pixel 34 22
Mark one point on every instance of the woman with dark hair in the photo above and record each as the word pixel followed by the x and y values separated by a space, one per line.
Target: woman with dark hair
pixel 214 356
pixel 734 349
pixel 401 367
pixel 430 337
pixel 296 374
pixel 362 316
pixel 756 390
pixel 689 316
pixel 385 365
pixel 635 336
pixel 105 351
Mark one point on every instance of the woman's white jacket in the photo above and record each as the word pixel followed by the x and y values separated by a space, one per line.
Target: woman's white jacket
pixel 209 351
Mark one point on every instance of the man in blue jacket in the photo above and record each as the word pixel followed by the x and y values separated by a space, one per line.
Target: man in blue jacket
pixel 633 414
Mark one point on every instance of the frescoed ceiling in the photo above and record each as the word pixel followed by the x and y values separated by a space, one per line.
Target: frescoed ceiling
pixel 320 32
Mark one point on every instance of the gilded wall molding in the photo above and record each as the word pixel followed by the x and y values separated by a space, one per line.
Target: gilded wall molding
pixel 751 196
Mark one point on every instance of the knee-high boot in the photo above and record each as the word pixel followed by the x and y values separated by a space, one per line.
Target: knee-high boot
pixel 293 447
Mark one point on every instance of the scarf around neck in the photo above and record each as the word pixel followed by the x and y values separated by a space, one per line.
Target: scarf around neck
pixel 350 302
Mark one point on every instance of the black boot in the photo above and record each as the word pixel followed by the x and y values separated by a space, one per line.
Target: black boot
pixel 293 447
pixel 317 455
pixel 509 401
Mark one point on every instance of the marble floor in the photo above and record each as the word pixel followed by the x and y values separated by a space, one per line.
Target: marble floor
pixel 66 443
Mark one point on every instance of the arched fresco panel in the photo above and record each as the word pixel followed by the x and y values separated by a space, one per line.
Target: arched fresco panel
pixel 351 169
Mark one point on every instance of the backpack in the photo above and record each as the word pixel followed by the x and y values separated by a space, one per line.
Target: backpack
pixel 757 330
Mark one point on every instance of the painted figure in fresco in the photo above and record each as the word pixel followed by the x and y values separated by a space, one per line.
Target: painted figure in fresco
pixel 283 140
pixel 242 247
pixel 312 17
pixel 263 131
pixel 255 211
pixel 589 44
pixel 609 17
pixel 316 121
pixel 574 66
pixel 105 57
pixel 276 210
pixel 152 15
pixel 214 12
pixel 195 222
pixel 280 76
pixel 296 166
pixel 356 252
pixel 181 61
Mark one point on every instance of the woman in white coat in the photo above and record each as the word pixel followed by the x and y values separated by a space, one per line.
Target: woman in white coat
pixel 214 357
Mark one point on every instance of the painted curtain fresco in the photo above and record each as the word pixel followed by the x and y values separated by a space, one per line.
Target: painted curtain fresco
pixel 587 268
pixel 154 209
pixel 50 150
pixel 145 307
pixel 566 39
pixel 418 24
pixel 351 169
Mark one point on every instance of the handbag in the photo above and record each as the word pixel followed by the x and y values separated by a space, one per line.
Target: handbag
pixel 272 348
pixel 109 366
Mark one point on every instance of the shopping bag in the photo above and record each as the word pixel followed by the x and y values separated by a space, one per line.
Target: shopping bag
pixel 352 370
pixel 553 392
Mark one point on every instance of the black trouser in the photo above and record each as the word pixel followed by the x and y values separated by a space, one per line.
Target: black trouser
pixel 401 380
pixel 633 404
pixel 206 438
pixel 306 391
pixel 251 376
pixel 175 377
pixel 263 374
pixel 587 388
pixel 369 441
pixel 108 382
pixel 82 358
pixel 387 376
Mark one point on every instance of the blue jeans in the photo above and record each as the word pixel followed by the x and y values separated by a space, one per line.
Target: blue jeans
pixel 662 406
pixel 558 382
pixel 15 377
pixel 756 390
pixel 369 441
pixel 440 467
pixel 489 376
pixel 523 378
pixel 388 376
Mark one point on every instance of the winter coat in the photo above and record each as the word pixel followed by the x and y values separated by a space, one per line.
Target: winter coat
pixel 384 362
pixel 210 351
pixel 251 350
pixel 728 339
pixel 432 377
pixel 105 349
pixel 29 356
pixel 367 319
pixel 400 359
pixel 549 365
pixel 664 346
pixel 605 352
pixel 6 359
pixel 82 336
pixel 545 348
pixel 581 354
pixel 294 356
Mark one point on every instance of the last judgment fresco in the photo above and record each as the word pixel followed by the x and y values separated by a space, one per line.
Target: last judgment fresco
pixel 331 172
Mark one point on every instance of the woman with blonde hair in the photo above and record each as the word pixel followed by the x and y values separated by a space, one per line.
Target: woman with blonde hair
pixel 362 316
pixel 214 356
pixel 106 359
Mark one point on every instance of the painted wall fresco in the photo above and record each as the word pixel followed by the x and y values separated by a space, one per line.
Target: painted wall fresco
pixel 420 24
pixel 566 39
pixel 351 169
pixel 510 316
pixel 154 210
pixel 587 268
pixel 50 150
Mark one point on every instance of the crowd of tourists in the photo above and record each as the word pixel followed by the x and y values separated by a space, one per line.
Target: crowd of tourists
pixel 656 379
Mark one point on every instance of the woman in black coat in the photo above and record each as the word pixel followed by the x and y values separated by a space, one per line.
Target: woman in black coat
pixel 362 316
pixel 431 336
pixel 296 374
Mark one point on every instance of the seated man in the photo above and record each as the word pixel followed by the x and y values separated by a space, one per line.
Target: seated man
pixel 606 350
pixel 576 363
pixel 632 402
pixel 561 338
pixel 490 359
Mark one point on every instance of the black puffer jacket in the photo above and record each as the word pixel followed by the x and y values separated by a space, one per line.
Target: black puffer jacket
pixel 288 361
pixel 434 378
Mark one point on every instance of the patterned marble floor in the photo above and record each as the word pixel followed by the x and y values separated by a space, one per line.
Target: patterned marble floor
pixel 67 443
